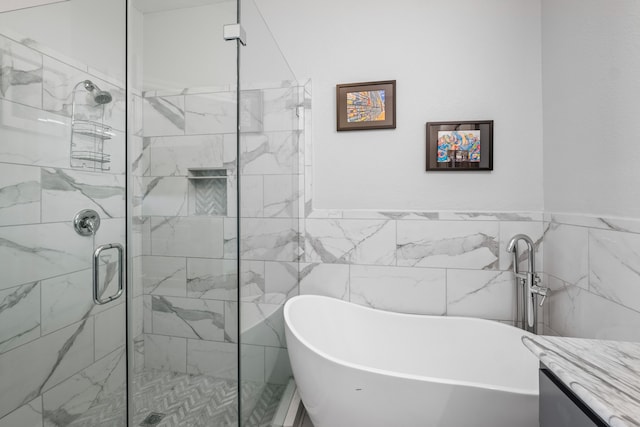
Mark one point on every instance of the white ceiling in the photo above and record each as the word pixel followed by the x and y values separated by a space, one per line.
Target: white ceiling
pixel 150 6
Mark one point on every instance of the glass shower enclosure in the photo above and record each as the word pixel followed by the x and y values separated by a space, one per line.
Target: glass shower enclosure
pixel 149 208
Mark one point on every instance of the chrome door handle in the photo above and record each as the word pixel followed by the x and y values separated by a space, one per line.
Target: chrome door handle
pixel 96 273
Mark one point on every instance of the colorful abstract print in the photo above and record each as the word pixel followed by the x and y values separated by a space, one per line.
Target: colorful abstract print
pixel 467 140
pixel 365 106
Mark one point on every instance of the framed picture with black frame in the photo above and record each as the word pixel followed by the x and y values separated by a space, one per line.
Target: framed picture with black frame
pixel 366 106
pixel 460 146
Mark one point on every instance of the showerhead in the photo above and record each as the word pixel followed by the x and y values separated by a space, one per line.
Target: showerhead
pixel 99 96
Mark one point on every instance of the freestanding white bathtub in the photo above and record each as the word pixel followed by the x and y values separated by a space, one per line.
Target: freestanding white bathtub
pixel 360 367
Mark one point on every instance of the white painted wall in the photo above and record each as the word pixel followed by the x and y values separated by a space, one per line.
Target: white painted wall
pixel 184 47
pixel 90 31
pixel 453 60
pixel 591 64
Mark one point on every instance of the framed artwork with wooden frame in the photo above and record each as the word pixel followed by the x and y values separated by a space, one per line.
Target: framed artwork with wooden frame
pixel 460 146
pixel 366 106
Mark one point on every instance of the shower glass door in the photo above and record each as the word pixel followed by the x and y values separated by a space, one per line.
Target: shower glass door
pixel 62 151
pixel 184 263
pixel 271 113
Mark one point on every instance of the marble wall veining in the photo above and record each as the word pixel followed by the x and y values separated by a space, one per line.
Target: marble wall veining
pixel 593 268
pixel 187 259
pixel 59 352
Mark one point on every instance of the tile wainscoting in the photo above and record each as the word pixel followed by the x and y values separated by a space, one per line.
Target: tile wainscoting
pixel 592 265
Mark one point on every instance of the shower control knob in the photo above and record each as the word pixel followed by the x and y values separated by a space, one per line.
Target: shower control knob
pixel 86 222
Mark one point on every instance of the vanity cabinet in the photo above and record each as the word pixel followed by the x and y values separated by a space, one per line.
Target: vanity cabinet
pixel 560 407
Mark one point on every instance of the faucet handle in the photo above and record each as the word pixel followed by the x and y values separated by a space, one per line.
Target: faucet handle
pixel 540 290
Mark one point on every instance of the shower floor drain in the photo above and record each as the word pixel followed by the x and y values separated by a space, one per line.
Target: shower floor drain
pixel 152 419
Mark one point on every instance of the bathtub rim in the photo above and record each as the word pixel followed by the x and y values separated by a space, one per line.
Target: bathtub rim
pixel 388 373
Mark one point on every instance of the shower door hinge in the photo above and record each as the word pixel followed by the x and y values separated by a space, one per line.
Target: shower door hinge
pixel 234 32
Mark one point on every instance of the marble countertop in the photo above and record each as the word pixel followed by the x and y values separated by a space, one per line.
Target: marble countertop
pixel 604 374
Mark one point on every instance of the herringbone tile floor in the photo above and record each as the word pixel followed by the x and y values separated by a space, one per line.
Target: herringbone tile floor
pixel 188 401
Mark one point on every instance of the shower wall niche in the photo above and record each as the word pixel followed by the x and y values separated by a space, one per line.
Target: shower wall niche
pixel 188 197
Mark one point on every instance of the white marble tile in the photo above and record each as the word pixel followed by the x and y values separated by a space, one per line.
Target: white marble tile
pixel 110 330
pixel 163 116
pixel 66 299
pixel 140 236
pixel 252 363
pixel 252 192
pixel 188 317
pixel 281 196
pixel 33 137
pixel 164 196
pixel 137 308
pixel 187 236
pixel 220 360
pixel 28 415
pixel 252 281
pixel 280 109
pixel 19 315
pixel 277 366
pixel 331 280
pixel 213 279
pixel 491 216
pixel 614 261
pixel 350 241
pixel 230 150
pixel 251 111
pixel 217 359
pixel 566 253
pixel 39 251
pixel 231 201
pixel 165 353
pixel 399 289
pixel 629 225
pixel 262 324
pixel 66 192
pixel 73 397
pixel 269 239
pixel 136 115
pixel 138 354
pixel 483 294
pixel 51 360
pixel 175 155
pixel 231 321
pixel 396 215
pixel 281 281
pixel 19 194
pixel 575 312
pixel 270 154
pixel 535 230
pixel 230 239
pixel 135 274
pixel 210 113
pixel 147 321
pixel 21 77
pixel 139 155
pixel 164 276
pixel 448 244
pixel 308 192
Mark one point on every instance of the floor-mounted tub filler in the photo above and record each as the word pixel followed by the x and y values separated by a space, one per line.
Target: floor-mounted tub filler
pixel 357 366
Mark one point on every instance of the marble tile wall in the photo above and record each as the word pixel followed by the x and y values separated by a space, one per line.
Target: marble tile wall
pixel 187 261
pixel 593 268
pixel 438 263
pixel 59 353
